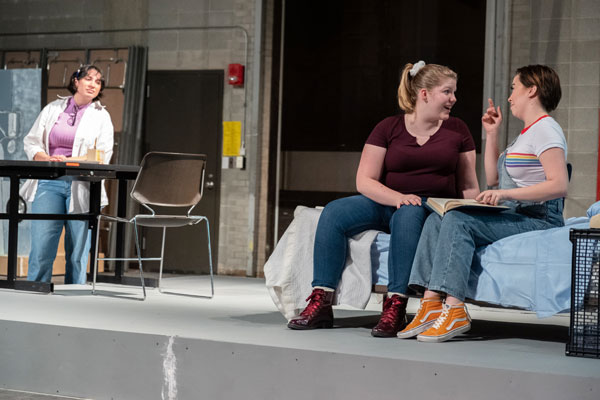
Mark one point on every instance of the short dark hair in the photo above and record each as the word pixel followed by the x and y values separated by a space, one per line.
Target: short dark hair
pixel 547 82
pixel 81 73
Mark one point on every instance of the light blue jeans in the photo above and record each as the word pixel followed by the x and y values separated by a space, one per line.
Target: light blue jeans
pixel 447 245
pixel 344 218
pixel 53 197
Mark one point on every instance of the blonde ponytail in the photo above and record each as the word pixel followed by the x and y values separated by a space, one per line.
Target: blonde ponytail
pixel 407 96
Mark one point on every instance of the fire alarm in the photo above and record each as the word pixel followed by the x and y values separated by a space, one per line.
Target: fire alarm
pixel 235 74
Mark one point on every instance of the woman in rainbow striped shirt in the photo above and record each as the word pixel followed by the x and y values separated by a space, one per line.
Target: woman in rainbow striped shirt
pixel 531 176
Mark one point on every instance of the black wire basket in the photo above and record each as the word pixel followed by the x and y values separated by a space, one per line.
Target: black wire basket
pixel 584 329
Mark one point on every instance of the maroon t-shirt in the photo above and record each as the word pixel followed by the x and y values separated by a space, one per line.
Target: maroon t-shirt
pixel 428 170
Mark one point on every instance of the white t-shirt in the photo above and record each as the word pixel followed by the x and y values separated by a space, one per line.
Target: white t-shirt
pixel 522 157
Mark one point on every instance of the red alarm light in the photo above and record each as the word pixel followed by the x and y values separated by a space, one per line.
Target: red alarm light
pixel 235 74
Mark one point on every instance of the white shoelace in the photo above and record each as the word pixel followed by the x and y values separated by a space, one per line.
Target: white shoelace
pixel 419 311
pixel 442 318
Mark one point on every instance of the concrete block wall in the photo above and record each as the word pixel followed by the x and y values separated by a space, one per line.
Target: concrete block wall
pixel 565 34
pixel 182 49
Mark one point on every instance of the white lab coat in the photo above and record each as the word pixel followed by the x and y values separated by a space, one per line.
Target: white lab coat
pixel 95 127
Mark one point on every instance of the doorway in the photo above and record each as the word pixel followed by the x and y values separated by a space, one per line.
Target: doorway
pixel 184 114
pixel 353 55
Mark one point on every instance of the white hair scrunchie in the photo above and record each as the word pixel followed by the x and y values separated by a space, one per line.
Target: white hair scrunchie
pixel 416 68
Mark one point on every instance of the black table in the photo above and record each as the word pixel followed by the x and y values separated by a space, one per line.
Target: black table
pixel 17 170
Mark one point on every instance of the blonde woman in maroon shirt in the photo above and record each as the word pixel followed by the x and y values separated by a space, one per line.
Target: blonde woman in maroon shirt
pixel 420 152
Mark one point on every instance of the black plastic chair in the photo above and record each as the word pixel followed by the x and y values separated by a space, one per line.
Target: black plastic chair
pixel 167 180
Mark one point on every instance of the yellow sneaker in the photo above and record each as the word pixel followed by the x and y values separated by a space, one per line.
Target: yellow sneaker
pixel 453 321
pixel 429 310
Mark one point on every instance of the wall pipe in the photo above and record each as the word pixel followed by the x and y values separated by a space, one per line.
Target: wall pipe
pixel 505 78
pixel 253 163
pixel 496 69
pixel 279 123
pixel 598 170
pixel 489 75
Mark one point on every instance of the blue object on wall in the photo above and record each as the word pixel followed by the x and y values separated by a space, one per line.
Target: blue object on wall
pixel 20 98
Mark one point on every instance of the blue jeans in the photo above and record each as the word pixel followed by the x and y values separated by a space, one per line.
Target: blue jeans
pixel 52 197
pixel 344 218
pixel 447 245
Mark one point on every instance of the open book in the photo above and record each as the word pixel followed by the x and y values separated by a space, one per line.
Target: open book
pixel 442 206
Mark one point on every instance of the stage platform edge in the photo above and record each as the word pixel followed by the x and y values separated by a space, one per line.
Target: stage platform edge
pixel 237 346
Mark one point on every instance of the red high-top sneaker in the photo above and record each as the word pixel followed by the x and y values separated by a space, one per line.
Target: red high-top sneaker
pixel 317 314
pixel 393 317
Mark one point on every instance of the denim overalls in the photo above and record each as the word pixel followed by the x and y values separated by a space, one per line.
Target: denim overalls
pixel 551 210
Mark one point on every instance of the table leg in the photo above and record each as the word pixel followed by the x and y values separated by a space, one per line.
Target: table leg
pixel 13 246
pixel 121 212
pixel 13 229
pixel 95 200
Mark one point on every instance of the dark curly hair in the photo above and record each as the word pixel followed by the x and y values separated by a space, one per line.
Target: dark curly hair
pixel 81 73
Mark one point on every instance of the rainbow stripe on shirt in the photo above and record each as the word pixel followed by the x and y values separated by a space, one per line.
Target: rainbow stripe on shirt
pixel 522 160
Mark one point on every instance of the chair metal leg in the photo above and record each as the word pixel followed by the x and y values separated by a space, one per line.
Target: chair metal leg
pixel 139 254
pixel 138 258
pixel 95 266
pixel 212 287
pixel 162 258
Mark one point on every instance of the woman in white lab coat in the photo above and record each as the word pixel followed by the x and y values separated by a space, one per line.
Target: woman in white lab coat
pixel 67 127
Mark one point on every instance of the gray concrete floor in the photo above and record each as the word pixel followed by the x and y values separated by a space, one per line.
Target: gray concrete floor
pixel 245 301
pixel 16 395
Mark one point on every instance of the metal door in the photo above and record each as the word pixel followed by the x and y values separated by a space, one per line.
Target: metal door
pixel 184 114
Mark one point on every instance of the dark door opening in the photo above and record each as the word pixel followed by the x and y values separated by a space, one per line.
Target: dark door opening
pixel 184 114
pixel 340 78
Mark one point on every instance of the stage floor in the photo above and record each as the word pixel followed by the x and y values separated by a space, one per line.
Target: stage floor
pixel 242 313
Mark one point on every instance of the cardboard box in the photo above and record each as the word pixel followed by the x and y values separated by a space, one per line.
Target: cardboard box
pixel 58 268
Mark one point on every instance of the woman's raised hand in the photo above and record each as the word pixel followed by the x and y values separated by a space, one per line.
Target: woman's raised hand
pixel 407 200
pixel 492 118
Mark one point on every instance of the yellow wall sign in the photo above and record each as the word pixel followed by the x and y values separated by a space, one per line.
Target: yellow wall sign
pixel 232 138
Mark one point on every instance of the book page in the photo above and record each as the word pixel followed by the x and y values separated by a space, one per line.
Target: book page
pixel 443 205
pixel 454 203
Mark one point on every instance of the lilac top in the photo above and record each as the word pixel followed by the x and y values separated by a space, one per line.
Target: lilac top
pixel 62 135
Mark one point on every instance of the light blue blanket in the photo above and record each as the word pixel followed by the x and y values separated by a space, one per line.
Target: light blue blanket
pixel 531 270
